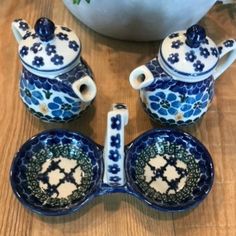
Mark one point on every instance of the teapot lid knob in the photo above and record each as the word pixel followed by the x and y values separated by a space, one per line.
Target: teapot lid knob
pixel 195 36
pixel 44 28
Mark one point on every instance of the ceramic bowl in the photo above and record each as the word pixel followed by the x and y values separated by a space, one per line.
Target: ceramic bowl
pixel 56 172
pixel 168 169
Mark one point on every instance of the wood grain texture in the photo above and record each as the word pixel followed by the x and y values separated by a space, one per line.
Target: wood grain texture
pixel 112 61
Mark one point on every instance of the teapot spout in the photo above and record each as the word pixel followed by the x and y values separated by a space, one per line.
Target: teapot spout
pixel 85 89
pixel 141 77
pixel 20 28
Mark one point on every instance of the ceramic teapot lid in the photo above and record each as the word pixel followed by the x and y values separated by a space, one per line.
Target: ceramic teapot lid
pixel 190 55
pixel 49 47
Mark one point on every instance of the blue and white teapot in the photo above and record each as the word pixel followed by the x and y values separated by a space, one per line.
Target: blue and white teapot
pixel 177 86
pixel 56 84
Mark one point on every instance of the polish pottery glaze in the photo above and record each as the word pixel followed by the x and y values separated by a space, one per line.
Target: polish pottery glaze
pixel 177 86
pixel 57 172
pixel 56 84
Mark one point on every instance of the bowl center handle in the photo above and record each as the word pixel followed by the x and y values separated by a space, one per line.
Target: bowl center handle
pixel 113 153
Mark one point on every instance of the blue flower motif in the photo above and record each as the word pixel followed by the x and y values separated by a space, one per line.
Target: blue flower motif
pixel 65 29
pixel 205 41
pixel 64 109
pixel 27 35
pixel 114 169
pixel 36 47
pixel 176 44
pixel 204 52
pixel 24 51
pixel 195 105
pixel 50 49
pixel 173 58
pixel 220 49
pixel 198 66
pixel 114 155
pixel 73 45
pixel 29 92
pixel 214 52
pixel 164 104
pixel 34 36
pixel 115 179
pixel 62 36
pixel 57 60
pixel 38 61
pixel 116 122
pixel 23 25
pixel 174 35
pixel 190 56
pixel 115 141
pixel 229 43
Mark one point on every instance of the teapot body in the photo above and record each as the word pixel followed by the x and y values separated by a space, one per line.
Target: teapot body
pixel 54 100
pixel 175 102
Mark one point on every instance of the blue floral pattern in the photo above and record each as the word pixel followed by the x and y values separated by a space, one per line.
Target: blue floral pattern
pixel 199 66
pixel 173 58
pixel 114 155
pixel 62 36
pixel 29 93
pixel 38 61
pixel 116 122
pixel 174 35
pixel 115 141
pixel 164 104
pixel 229 43
pixel 50 49
pixel 24 51
pixel 27 35
pixel 115 179
pixel 204 52
pixel 176 44
pixel 114 169
pixel 36 48
pixel 57 59
pixel 220 49
pixel 65 109
pixel 195 105
pixel 214 52
pixel 169 101
pixel 73 45
pixel 190 56
pixel 23 25
pixel 65 29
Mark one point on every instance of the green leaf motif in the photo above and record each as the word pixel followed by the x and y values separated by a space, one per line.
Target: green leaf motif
pixel 78 1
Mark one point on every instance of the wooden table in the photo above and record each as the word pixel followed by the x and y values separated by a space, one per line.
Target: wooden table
pixel 112 61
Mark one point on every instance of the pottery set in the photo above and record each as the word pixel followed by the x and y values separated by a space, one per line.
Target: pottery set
pixel 149 20
pixel 58 171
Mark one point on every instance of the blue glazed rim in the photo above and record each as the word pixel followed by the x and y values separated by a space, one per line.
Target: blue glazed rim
pixel 76 206
pixel 132 187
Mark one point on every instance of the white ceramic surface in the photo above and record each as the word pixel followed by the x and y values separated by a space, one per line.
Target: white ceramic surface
pixel 140 20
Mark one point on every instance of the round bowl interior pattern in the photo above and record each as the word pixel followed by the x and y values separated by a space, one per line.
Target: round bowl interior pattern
pixel 170 169
pixel 56 171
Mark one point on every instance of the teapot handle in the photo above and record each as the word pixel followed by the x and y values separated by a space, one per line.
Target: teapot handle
pixel 20 28
pixel 114 152
pixel 227 55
